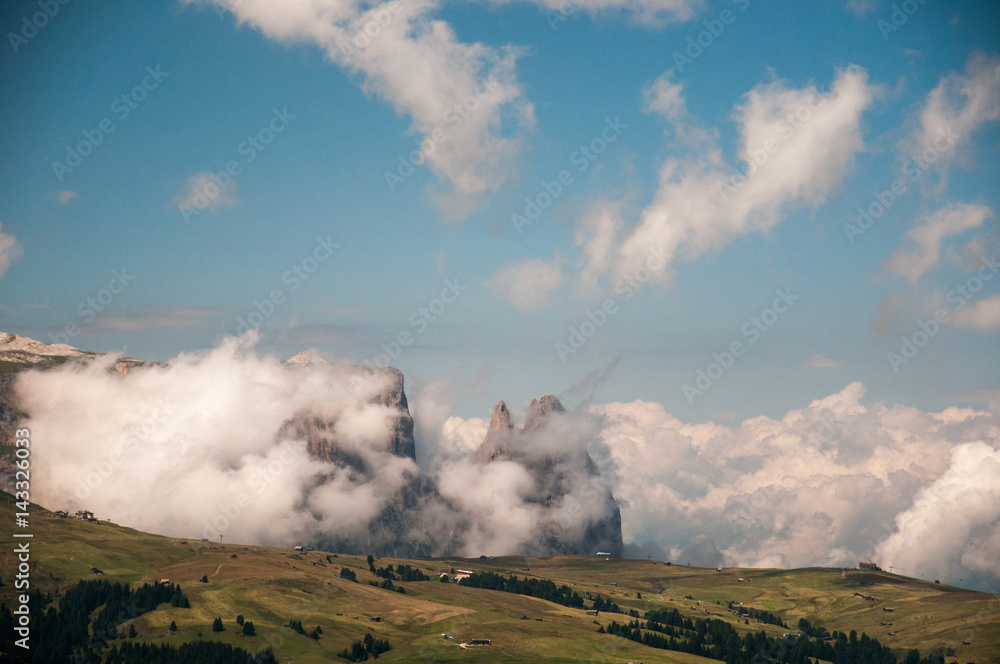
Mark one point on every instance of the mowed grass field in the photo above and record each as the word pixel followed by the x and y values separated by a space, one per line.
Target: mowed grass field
pixel 270 586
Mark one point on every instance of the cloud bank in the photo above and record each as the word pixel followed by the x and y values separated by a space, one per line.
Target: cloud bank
pixel 831 484
pixel 199 447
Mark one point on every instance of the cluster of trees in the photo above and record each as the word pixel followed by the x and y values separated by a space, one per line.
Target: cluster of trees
pixel 348 574
pixel 760 615
pixel 401 573
pixel 540 588
pixel 203 652
pixel 606 605
pixel 296 626
pixel 360 650
pixel 717 639
pixel 68 631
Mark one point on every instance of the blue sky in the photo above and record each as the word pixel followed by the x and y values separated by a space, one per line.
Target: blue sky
pixel 228 72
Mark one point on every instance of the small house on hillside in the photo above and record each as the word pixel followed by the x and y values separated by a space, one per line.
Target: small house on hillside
pixel 480 642
pixel 868 567
pixel 84 515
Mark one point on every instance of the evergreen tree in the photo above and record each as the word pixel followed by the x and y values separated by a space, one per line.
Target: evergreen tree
pixel 248 629
pixel 173 626
pixel 217 625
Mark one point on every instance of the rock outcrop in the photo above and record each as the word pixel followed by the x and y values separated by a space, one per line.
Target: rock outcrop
pixel 581 515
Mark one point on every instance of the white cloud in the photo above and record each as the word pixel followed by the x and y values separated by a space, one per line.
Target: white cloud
pixel 528 283
pixel 983 315
pixel 596 235
pixel 932 537
pixel 203 434
pixel 796 145
pixel 960 104
pixel 204 193
pixel 822 485
pixel 413 61
pixel 666 98
pixel 10 250
pixel 924 240
pixel 820 361
pixel 64 196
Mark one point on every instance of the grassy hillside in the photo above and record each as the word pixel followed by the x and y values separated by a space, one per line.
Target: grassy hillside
pixel 270 586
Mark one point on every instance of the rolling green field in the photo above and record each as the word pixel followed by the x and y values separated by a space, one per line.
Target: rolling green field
pixel 270 586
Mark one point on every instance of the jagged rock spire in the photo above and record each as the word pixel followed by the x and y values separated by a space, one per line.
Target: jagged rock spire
pixel 539 408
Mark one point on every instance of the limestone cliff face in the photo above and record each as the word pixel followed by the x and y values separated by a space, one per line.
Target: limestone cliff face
pixel 581 514
pixel 497 443
pixel 319 432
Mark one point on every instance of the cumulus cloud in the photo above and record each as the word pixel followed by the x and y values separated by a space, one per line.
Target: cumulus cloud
pixel 463 100
pixel 795 147
pixel 983 315
pixel 200 445
pixel 64 196
pixel 933 537
pixel 10 250
pixel 822 485
pixel 527 284
pixel 232 443
pixel 922 244
pixel 960 104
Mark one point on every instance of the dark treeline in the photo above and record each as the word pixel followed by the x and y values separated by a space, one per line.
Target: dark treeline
pixel 360 650
pixel 717 639
pixel 67 633
pixel 540 588
pixel 760 615
pixel 204 652
pixel 400 573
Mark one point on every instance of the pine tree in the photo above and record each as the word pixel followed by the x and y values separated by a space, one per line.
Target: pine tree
pixel 239 619
pixel 217 625
pixel 173 626
pixel 248 629
pixel 131 632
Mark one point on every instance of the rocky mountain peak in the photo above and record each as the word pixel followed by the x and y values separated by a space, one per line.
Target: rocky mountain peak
pixel 501 417
pixel 554 475
pixel 540 408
